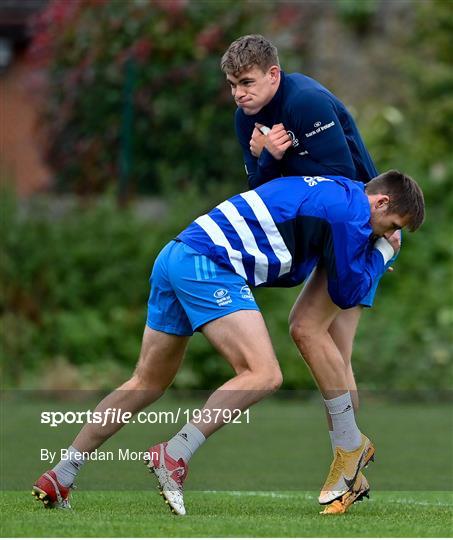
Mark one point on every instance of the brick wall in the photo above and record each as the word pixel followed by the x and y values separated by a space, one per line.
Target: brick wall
pixel 21 161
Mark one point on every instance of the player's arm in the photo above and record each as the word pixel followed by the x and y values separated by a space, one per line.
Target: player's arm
pixel 321 134
pixel 353 262
pixel 258 169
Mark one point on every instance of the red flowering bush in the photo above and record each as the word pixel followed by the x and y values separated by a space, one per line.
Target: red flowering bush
pixel 135 91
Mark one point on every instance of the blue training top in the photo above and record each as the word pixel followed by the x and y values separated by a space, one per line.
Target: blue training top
pixel 325 138
pixel 274 235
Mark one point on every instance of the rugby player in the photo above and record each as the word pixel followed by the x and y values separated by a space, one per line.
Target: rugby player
pixel 272 236
pixel 289 124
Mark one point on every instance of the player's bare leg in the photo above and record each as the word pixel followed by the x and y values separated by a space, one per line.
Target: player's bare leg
pixel 160 357
pixel 310 321
pixel 243 340
pixel 343 331
pixel 310 330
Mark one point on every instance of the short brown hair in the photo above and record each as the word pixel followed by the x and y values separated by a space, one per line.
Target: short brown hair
pixel 249 51
pixel 406 197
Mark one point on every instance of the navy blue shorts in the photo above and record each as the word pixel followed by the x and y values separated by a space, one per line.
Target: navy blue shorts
pixel 189 290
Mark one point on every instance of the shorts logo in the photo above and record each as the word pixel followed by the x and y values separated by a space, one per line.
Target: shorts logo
pixel 222 297
pixel 220 293
pixel 246 293
pixel 317 124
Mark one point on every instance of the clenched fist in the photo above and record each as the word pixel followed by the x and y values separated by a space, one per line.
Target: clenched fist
pixel 278 141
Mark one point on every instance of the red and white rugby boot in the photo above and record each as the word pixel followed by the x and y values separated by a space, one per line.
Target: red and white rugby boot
pixel 50 492
pixel 170 474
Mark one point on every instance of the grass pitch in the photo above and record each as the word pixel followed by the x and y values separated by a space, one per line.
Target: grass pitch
pixel 259 479
pixel 259 514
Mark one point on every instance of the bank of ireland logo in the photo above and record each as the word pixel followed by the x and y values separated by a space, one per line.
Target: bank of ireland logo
pixel 319 128
pixel 294 140
pixel 222 297
pixel 246 293
pixel 220 293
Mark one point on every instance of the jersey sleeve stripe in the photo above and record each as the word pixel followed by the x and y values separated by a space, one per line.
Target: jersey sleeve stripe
pixel 216 234
pixel 243 230
pixel 270 229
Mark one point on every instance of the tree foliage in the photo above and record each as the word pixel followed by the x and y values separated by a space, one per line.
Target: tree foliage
pixel 76 288
pixel 135 90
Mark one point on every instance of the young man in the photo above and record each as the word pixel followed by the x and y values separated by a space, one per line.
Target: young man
pixel 271 236
pixel 292 125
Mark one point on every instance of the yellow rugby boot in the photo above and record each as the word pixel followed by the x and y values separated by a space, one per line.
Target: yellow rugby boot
pixel 360 490
pixel 344 470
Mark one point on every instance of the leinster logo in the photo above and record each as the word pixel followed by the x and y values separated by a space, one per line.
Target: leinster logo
pixel 293 138
pixel 246 293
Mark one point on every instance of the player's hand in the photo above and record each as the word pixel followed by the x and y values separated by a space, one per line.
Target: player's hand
pixel 278 141
pixel 394 240
pixel 257 141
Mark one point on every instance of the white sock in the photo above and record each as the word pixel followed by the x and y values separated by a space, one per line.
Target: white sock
pixel 185 443
pixel 346 434
pixel 68 468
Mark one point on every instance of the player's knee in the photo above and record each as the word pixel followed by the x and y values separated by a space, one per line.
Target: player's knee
pixel 277 380
pixel 140 380
pixel 296 329
pixel 272 379
pixel 301 334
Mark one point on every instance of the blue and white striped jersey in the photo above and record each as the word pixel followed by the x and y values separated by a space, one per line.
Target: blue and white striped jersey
pixel 276 234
